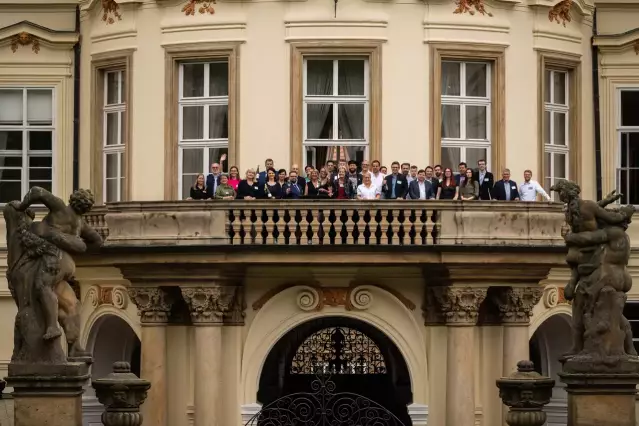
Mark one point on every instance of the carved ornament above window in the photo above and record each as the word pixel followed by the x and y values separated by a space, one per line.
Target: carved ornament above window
pixel 202 7
pixel 25 39
pixel 560 12
pixel 110 11
pixel 471 6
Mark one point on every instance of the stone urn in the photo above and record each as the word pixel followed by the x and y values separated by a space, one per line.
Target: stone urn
pixel 121 393
pixel 525 392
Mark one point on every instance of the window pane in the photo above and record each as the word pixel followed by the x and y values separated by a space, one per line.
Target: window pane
pixel 10 191
pixel 317 156
pixel 122 127
pixel 451 122
pixel 123 87
pixel 111 169
pixel 112 128
pixel 547 83
pixel 559 168
pixel 40 161
pixel 10 140
pixel 451 157
pixel 111 190
pixel 193 160
pixel 547 118
pixel 113 88
pixel 193 122
pixel 10 174
pixel 547 165
pixel 560 88
pixel 631 189
pixel 475 122
pixel 218 122
pixel 40 141
pixel 10 107
pixel 219 79
pixel 473 155
pixel 319 121
pixel 560 128
pixel 350 77
pixel 319 77
pixel 6 161
pixel 350 119
pixel 40 174
pixel 451 75
pixel 633 149
pixel 475 79
pixel 629 108
pixel 40 107
pixel 193 80
pixel 214 157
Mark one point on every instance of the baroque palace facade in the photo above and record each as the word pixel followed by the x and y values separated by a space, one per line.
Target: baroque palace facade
pixel 219 304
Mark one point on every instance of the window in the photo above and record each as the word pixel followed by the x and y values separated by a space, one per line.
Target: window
pixel 26 141
pixel 628 157
pixel 336 105
pixel 556 127
pixel 465 112
pixel 114 135
pixel 203 131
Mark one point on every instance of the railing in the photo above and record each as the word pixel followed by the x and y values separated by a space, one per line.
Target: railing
pixel 325 222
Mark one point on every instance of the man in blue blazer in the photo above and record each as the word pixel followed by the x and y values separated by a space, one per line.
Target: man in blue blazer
pixel 261 177
pixel 505 189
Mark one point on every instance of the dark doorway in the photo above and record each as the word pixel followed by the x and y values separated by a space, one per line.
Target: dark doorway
pixel 359 359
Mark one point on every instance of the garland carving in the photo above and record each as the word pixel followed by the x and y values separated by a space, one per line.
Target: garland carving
pixel 25 39
pixel 471 6
pixel 560 12
pixel 205 6
pixel 637 48
pixel 110 11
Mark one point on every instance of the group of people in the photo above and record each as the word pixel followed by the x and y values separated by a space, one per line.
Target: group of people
pixel 369 181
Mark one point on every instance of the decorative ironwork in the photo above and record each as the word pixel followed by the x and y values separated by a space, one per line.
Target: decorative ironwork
pixel 324 407
pixel 338 350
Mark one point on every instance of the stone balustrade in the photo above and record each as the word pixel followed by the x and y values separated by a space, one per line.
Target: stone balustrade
pixel 328 222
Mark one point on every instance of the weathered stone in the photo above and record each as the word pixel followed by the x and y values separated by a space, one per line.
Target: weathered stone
pixel 121 393
pixel 217 304
pixel 154 304
pixel 515 304
pixel 525 392
pixel 453 305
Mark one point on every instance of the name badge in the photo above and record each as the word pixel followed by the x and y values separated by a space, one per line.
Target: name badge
pixel 513 187
pixel 399 181
pixel 255 187
pixel 341 185
pixel 530 188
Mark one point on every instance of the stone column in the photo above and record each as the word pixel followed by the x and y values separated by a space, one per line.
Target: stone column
pixel 210 307
pixel 458 308
pixel 154 307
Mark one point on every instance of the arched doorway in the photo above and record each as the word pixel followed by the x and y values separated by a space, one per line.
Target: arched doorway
pixel 358 357
pixel 111 339
pixel 551 340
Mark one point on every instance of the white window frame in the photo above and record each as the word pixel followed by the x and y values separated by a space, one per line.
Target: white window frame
pixel 205 101
pixel 120 107
pixel 336 100
pixel 25 128
pixel 550 106
pixel 620 131
pixel 462 100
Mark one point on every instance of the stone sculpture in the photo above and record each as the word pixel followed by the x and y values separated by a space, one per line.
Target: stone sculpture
pixel 40 270
pixel 598 254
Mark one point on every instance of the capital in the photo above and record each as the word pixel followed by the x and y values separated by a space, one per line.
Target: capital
pixel 453 305
pixel 515 304
pixel 154 304
pixel 215 304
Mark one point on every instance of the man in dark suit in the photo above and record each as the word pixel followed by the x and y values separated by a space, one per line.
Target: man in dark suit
pixel 420 188
pixel 261 177
pixel 395 184
pixel 505 189
pixel 461 177
pixel 486 181
pixel 213 180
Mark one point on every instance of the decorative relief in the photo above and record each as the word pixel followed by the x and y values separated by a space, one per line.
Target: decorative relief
pixel 554 296
pixel 116 296
pixel 25 39
pixel 453 305
pixel 351 298
pixel 202 6
pixel 560 12
pixel 471 6
pixel 110 11
pixel 308 299
pixel 516 304
pixel 636 47
pixel 154 304
pixel 361 298
pixel 93 296
pixel 215 304
pixel 119 298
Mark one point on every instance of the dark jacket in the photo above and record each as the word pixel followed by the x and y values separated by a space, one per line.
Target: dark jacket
pixel 293 193
pixel 499 191
pixel 413 190
pixel 401 187
pixel 210 186
pixel 485 187
pixel 349 189
pixel 245 190
pixel 199 193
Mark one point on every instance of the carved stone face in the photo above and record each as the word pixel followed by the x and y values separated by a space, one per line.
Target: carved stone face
pixel 24 38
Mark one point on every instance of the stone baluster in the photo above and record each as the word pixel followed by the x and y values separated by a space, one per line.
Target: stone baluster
pixel 525 392
pixel 121 393
pixel 154 306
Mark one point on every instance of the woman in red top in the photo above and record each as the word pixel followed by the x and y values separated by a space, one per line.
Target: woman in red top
pixel 234 177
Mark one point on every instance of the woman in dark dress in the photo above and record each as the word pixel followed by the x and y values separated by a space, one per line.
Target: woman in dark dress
pixel 272 189
pixel 343 188
pixel 248 189
pixel 198 190
pixel 448 189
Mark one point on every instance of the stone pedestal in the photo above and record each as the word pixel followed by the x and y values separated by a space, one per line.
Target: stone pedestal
pixel 601 399
pixel 48 394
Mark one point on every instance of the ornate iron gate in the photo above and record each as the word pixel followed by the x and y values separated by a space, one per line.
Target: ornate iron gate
pixel 324 407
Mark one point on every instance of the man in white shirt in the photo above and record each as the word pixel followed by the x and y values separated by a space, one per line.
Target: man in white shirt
pixel 377 177
pixel 530 188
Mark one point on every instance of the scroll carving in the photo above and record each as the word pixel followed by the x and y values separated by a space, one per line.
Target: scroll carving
pixel 110 11
pixel 560 12
pixel 351 298
pixel 202 7
pixel 25 39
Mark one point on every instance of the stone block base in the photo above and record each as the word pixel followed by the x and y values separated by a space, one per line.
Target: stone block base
pixel 47 395
pixel 601 399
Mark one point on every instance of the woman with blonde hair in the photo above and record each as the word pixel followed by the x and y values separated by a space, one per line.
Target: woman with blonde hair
pixel 198 190
pixel 248 189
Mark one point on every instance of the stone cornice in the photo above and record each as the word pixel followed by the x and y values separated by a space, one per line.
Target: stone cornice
pixel 154 304
pixel 454 306
pixel 515 305
pixel 215 305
